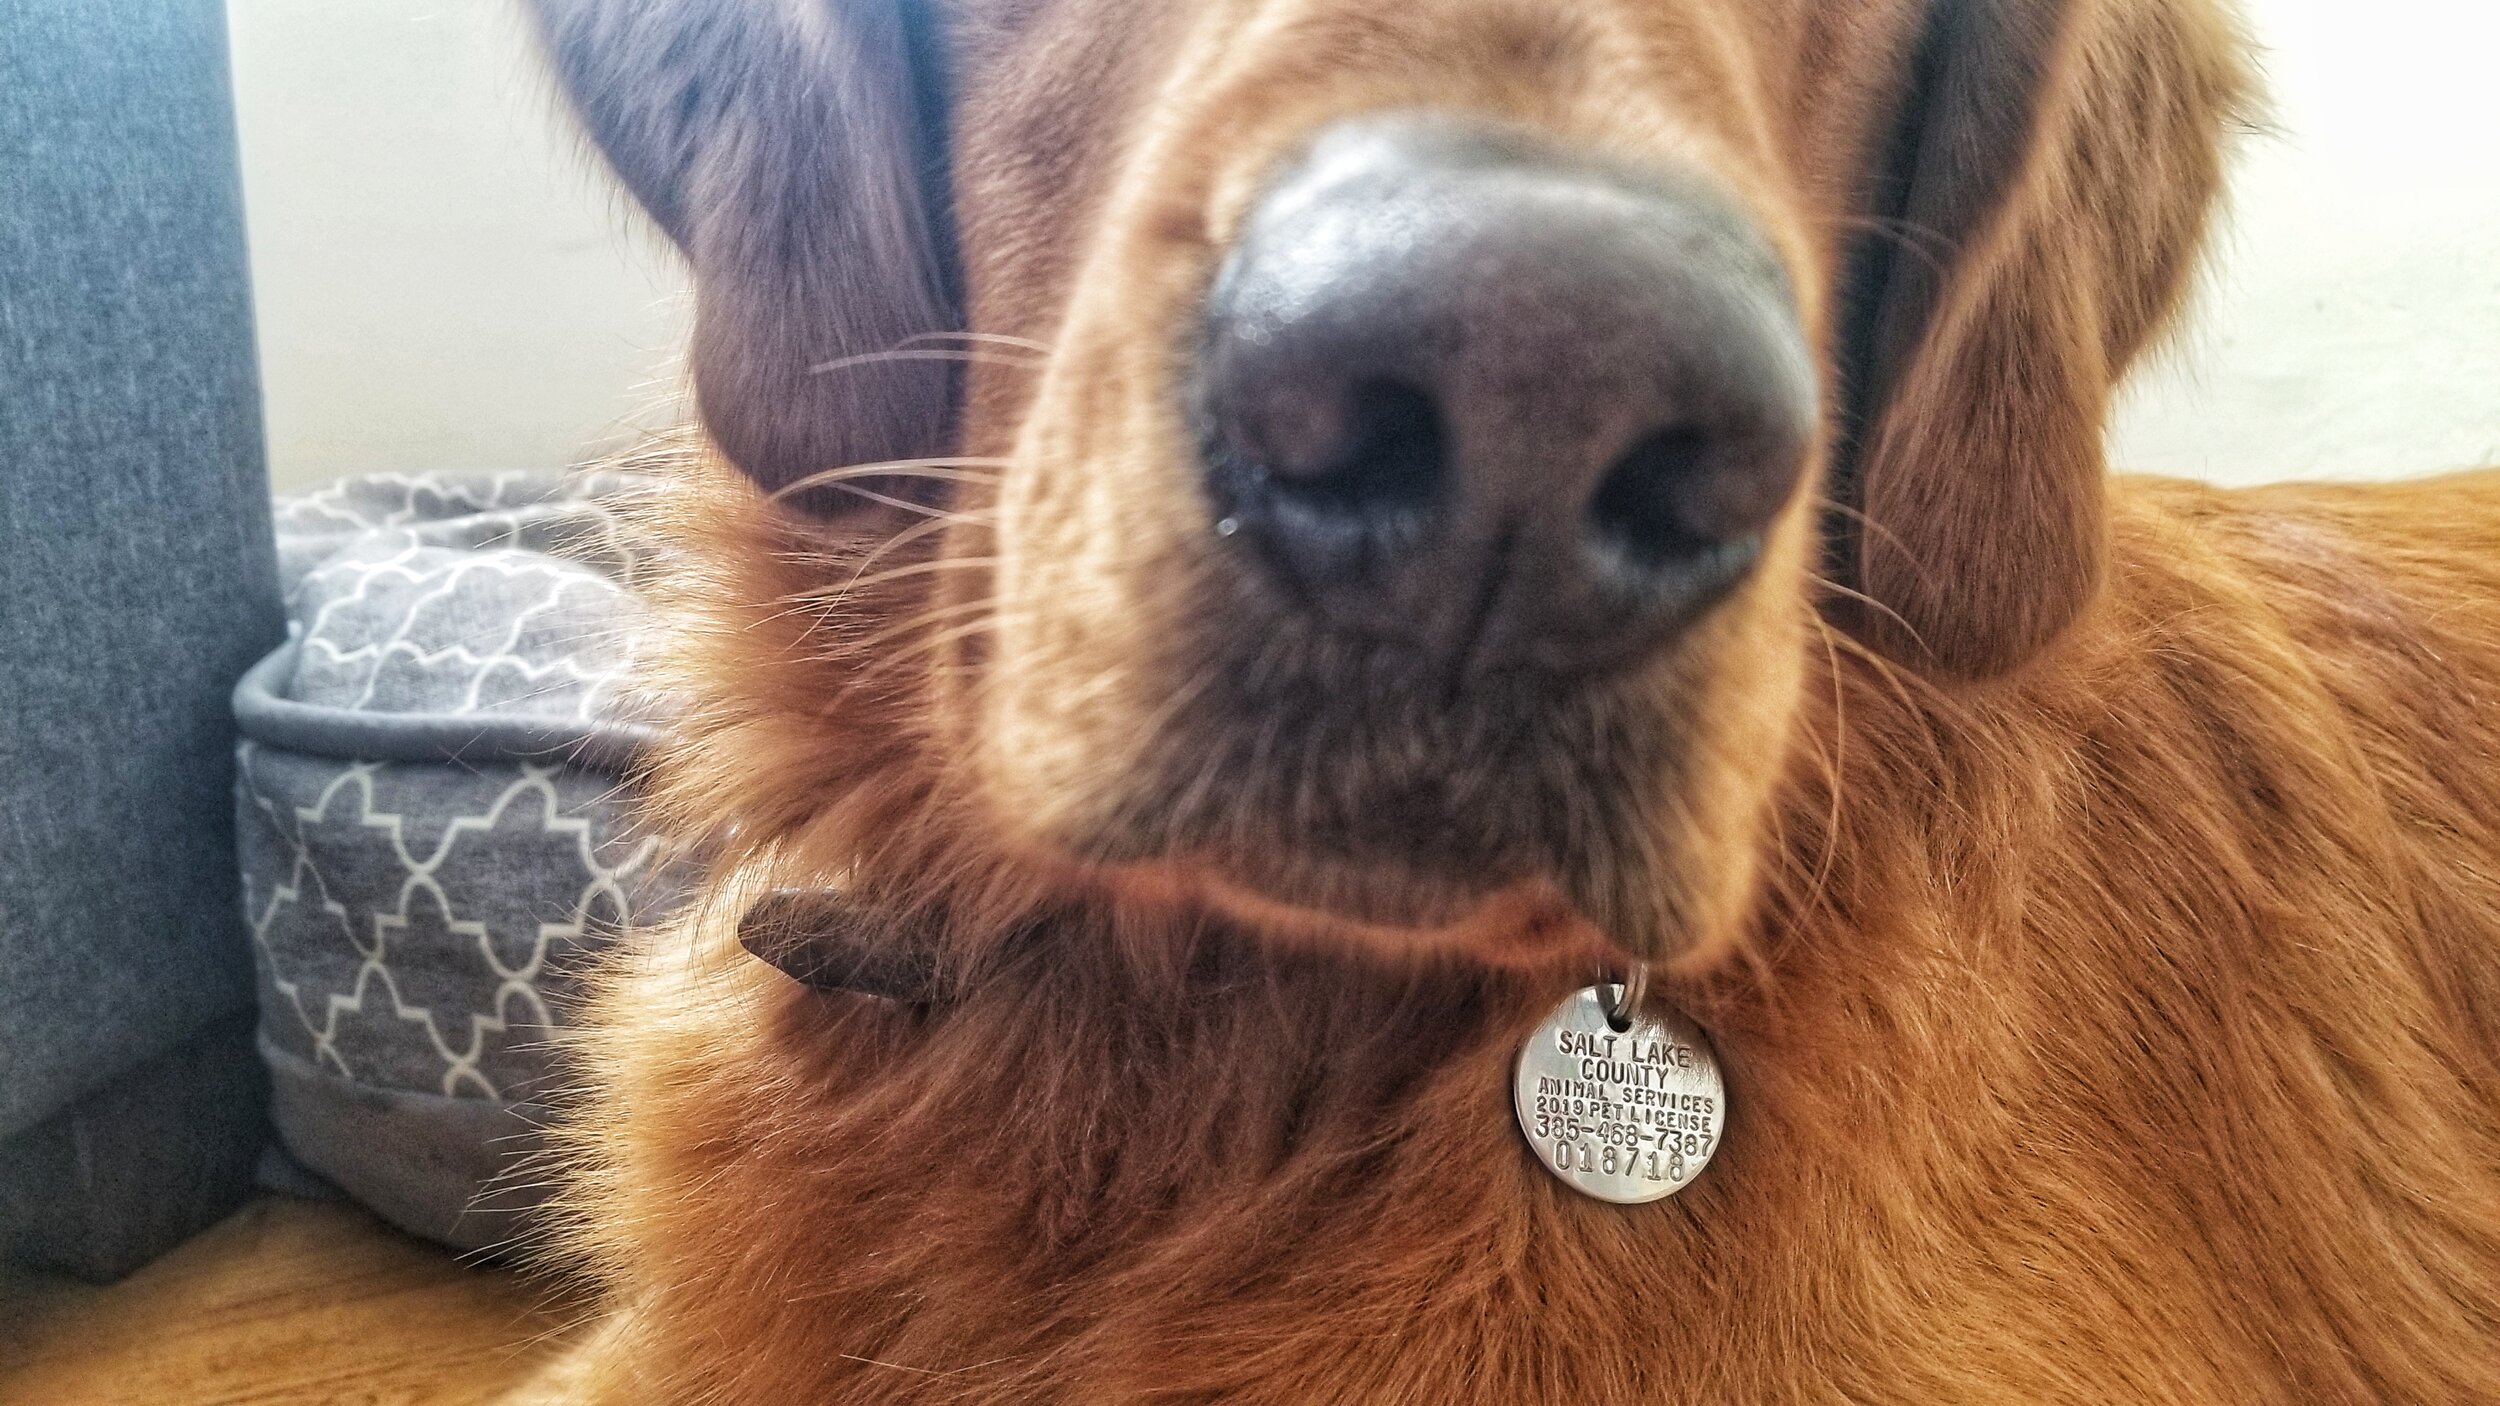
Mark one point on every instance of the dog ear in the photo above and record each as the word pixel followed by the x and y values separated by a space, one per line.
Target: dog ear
pixel 2036 219
pixel 793 150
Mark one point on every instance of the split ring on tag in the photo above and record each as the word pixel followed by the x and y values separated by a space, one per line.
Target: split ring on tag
pixel 1626 1114
pixel 1622 1001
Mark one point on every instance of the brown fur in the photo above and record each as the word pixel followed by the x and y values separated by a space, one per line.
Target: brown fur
pixel 2094 899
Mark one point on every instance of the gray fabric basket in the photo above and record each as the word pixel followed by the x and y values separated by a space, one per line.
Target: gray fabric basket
pixel 432 831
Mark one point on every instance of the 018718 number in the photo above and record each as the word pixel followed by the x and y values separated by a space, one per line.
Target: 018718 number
pixel 1667 1162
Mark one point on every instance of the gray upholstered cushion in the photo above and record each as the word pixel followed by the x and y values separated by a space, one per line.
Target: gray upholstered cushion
pixel 135 584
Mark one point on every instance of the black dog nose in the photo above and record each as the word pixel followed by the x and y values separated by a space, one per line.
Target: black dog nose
pixel 1516 408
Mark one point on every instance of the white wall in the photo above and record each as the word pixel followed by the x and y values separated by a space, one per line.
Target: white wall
pixel 2351 319
pixel 446 280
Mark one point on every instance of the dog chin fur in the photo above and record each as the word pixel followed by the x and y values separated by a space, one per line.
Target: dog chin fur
pixel 1528 923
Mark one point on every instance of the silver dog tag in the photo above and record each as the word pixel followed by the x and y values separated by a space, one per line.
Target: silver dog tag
pixel 1622 1115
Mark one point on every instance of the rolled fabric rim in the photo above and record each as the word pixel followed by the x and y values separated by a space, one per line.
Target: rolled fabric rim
pixel 265 715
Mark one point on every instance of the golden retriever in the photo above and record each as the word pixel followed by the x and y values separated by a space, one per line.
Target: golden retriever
pixel 1262 543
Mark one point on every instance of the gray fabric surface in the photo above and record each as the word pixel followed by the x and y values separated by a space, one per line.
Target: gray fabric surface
pixel 433 834
pixel 137 576
pixel 136 1167
pixel 458 1170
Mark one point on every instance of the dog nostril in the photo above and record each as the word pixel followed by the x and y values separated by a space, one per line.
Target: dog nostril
pixel 1642 505
pixel 1375 451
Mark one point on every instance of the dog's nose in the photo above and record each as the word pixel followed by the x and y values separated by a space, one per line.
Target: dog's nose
pixel 1468 393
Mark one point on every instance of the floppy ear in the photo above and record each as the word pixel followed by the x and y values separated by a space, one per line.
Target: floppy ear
pixel 793 150
pixel 2035 222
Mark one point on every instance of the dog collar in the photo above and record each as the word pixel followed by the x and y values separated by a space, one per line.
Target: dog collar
pixel 1619 1097
pixel 827 941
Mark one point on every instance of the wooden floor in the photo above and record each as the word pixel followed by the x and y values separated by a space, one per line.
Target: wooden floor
pixel 286 1302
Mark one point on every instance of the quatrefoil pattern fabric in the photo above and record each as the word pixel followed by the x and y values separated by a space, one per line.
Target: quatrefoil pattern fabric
pixel 426 874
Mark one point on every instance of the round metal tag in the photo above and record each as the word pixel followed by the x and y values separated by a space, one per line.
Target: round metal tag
pixel 1622 1115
